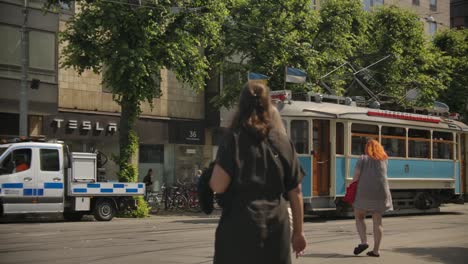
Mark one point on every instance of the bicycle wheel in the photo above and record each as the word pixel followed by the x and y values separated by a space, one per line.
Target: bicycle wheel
pixel 154 203
pixel 180 202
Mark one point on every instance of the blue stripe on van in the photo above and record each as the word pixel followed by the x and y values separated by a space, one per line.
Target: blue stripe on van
pixel 140 185
pixel 53 185
pixel 40 192
pixel 29 192
pixel 119 185
pixel 131 190
pixel 80 190
pixel 107 190
pixel 12 185
pixel 93 185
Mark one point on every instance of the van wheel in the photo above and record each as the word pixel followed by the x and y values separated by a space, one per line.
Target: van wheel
pixel 72 216
pixel 104 210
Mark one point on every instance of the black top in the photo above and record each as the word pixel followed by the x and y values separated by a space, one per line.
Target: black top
pixel 254 226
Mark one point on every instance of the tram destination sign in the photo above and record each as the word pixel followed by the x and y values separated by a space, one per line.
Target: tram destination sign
pixel 405 116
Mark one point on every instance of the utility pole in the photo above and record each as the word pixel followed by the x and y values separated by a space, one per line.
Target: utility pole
pixel 23 120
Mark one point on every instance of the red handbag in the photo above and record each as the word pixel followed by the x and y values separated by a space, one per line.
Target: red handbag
pixel 350 193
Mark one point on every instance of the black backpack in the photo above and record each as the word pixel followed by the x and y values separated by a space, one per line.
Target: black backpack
pixel 205 194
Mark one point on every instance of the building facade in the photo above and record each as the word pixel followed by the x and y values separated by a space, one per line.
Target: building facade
pixel 434 13
pixel 79 109
pixel 40 60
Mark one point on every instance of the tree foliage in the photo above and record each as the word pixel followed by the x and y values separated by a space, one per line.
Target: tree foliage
pixel 265 36
pixel 411 63
pixel 342 30
pixel 131 43
pixel 454 45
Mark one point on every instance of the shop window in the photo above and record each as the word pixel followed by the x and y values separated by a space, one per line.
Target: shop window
pixel 339 138
pixel 151 153
pixel 50 160
pixel 360 134
pixel 394 141
pixel 300 135
pixel 442 145
pixel 418 143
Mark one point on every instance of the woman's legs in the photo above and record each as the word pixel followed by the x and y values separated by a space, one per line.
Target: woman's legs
pixel 360 216
pixel 378 231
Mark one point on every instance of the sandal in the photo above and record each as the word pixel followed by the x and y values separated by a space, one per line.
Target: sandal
pixel 372 254
pixel 360 248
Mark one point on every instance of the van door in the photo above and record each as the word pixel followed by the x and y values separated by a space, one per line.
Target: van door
pixel 50 180
pixel 17 181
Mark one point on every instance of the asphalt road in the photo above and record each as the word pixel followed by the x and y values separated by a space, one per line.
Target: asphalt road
pixel 437 238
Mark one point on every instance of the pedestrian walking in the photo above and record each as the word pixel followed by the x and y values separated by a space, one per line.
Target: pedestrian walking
pixel 148 181
pixel 372 196
pixel 256 171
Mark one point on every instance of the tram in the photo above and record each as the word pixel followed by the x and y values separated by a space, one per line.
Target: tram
pixel 427 153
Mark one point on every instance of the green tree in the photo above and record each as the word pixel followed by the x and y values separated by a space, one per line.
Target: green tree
pixel 134 42
pixel 410 61
pixel 342 30
pixel 264 36
pixel 454 44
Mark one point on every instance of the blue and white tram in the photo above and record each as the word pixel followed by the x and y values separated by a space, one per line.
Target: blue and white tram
pixel 426 153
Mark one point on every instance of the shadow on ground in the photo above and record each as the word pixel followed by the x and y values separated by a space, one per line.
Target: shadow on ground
pixel 38 218
pixel 329 255
pixel 448 255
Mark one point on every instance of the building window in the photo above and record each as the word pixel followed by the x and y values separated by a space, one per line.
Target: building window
pixel 68 7
pixel 433 5
pixel 10 51
pixel 151 153
pixel 368 4
pixel 416 2
pixel 42 50
pixel 432 27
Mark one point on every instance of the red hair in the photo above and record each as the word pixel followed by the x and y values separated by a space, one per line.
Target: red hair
pixel 375 150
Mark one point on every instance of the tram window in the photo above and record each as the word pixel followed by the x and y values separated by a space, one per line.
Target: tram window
pixel 339 138
pixel 418 143
pixel 360 134
pixel 442 145
pixel 394 141
pixel 300 135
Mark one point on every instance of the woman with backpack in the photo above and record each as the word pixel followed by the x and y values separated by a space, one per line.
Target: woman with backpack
pixel 257 172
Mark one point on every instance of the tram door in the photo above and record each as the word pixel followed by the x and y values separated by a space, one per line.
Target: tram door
pixel 321 152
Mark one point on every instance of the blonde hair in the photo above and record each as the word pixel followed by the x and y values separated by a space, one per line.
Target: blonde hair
pixel 375 150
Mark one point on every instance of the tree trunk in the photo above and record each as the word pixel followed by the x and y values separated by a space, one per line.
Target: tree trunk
pixel 128 140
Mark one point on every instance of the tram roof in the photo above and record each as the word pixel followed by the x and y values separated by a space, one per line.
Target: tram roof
pixel 347 112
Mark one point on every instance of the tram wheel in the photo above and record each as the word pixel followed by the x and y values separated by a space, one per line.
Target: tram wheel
pixel 424 201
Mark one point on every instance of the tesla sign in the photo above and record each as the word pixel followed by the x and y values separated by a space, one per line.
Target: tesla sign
pixel 71 124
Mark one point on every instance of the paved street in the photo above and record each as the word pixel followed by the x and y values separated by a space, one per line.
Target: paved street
pixel 440 238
